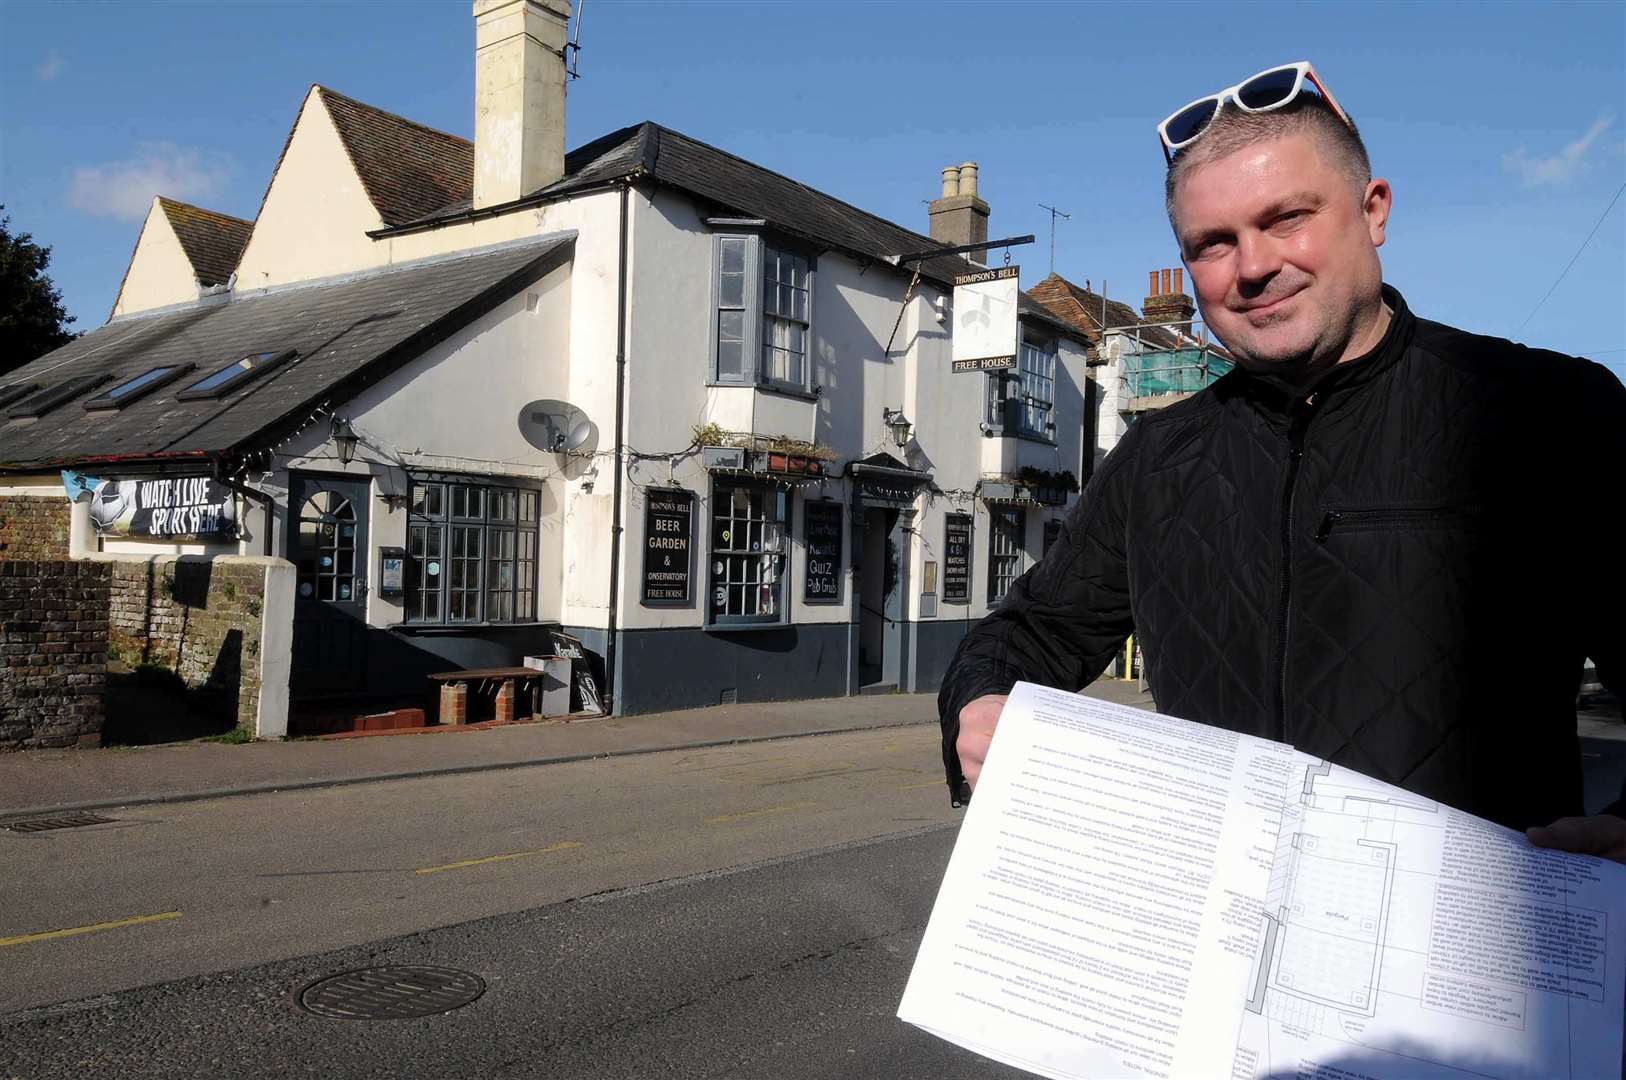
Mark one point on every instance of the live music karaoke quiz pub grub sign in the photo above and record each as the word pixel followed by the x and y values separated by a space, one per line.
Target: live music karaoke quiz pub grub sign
pixel 822 584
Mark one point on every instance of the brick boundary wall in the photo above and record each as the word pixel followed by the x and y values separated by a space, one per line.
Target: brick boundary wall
pixel 34 527
pixel 198 617
pixel 53 653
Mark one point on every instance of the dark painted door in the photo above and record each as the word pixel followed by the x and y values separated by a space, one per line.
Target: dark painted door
pixel 327 542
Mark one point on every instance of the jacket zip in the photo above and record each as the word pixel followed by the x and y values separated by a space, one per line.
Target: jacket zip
pixel 1295 454
pixel 1399 516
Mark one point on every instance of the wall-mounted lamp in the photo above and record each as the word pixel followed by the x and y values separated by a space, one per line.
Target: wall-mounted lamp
pixel 898 424
pixel 344 437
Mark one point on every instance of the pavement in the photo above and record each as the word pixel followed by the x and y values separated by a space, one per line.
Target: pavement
pixel 36 783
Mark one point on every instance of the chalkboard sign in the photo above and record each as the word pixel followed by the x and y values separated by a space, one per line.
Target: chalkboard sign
pixel 957 559
pixel 822 585
pixel 668 547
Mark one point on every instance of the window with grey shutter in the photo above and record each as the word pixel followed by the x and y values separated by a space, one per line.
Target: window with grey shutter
pixel 730 328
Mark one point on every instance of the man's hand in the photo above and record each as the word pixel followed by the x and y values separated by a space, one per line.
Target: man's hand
pixel 1603 835
pixel 977 723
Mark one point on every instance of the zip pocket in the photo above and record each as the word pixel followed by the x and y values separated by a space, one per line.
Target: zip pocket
pixel 1376 518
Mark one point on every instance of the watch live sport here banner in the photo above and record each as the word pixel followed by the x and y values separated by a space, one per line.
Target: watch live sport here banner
pixel 985 320
pixel 181 508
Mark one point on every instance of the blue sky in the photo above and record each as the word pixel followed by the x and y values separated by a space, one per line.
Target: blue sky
pixel 1502 126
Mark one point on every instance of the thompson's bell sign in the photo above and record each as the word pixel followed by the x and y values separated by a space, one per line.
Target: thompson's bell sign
pixel 985 320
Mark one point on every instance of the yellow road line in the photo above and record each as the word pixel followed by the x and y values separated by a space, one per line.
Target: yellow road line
pixel 927 783
pixel 721 818
pixel 47 935
pixel 561 846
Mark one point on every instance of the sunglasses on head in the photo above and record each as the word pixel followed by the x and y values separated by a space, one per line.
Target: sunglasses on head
pixel 1270 89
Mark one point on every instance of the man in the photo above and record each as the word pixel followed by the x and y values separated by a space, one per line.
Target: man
pixel 1380 539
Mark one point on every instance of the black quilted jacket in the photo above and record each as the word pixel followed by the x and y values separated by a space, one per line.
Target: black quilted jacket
pixel 1400 569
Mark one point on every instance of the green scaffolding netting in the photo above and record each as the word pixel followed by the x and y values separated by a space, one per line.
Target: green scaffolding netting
pixel 1174 371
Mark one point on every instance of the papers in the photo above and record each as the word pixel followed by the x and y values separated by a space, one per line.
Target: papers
pixel 1136 895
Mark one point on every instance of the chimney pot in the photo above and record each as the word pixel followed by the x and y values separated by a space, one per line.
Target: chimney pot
pixel 1167 282
pixel 1151 285
pixel 1179 280
pixel 959 218
pixel 968 178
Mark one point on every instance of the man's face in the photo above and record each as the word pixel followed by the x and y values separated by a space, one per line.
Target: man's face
pixel 1282 251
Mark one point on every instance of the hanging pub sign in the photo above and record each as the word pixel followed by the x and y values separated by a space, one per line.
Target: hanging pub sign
pixel 957 559
pixel 822 522
pixel 985 320
pixel 668 547
pixel 182 508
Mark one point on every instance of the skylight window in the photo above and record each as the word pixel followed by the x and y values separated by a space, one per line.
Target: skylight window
pixel 131 389
pixel 230 377
pixel 45 400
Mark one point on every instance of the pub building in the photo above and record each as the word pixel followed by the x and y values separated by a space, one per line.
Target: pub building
pixel 699 417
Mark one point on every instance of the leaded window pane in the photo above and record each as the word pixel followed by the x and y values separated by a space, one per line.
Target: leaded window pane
pixel 747 553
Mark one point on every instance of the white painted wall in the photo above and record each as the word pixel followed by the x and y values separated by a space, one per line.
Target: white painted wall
pixel 160 273
pixel 456 409
pixel 854 308
pixel 316 213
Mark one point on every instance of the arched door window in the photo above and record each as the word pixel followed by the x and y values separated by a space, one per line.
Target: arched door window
pixel 327 548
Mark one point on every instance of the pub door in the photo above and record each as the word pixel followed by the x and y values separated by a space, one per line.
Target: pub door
pixel 878 598
pixel 327 543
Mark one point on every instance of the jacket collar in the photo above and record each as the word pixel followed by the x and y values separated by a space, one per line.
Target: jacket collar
pixel 1277 394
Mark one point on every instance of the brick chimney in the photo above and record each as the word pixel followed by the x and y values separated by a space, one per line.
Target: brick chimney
pixel 960 217
pixel 1166 300
pixel 519 97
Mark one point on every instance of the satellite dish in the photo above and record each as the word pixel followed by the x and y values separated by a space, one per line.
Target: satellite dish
pixel 555 427
pixel 578 435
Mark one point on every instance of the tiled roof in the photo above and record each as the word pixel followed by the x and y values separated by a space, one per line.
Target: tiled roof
pixel 408 170
pixel 212 242
pixel 739 188
pixel 1082 309
pixel 348 333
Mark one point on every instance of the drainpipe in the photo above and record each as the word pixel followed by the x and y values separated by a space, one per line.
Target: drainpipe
pixel 620 399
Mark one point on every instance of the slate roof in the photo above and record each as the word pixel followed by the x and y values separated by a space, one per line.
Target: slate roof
pixel 739 188
pixel 408 170
pixel 348 332
pixel 213 242
pixel 1081 308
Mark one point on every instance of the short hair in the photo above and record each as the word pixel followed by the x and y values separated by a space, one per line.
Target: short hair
pixel 1232 129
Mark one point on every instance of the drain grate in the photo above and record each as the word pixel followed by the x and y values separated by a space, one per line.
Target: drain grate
pixel 63 821
pixel 391 993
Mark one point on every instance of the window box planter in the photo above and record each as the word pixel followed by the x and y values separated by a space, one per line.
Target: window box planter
pixel 774 461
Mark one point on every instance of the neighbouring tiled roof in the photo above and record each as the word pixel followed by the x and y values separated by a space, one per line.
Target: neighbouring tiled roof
pixel 348 333
pixel 1081 308
pixel 408 170
pixel 213 242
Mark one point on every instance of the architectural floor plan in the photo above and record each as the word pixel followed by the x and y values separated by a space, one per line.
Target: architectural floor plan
pixel 1384 923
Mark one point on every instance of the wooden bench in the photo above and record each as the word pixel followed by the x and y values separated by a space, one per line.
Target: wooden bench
pixel 504 679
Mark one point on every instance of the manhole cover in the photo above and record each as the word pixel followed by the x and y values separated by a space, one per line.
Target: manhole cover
pixel 64 821
pixel 391 993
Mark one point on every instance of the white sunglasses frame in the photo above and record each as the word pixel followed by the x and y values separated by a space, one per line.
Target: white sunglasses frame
pixel 1302 70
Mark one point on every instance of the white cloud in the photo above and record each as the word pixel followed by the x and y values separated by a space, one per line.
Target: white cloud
pixel 1561 167
pixel 50 67
pixel 124 189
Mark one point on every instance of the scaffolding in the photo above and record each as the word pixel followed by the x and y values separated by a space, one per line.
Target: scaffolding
pixel 1171 371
